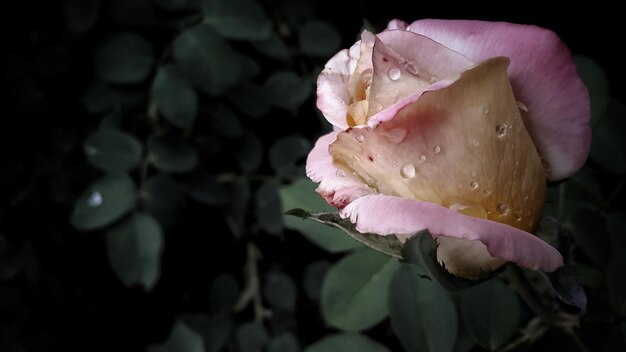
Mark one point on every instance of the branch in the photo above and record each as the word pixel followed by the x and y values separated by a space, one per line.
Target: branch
pixel 252 291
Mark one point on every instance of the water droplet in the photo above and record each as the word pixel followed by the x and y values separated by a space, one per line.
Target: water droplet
pixel 458 207
pixel 437 149
pixel 407 170
pixel 518 217
pixel 502 209
pixel 356 157
pixel 346 214
pixel 91 150
pixel 394 74
pixel 486 192
pixel 459 186
pixel 94 199
pixel 408 28
pixel 475 143
pixel 485 110
pixel 379 155
pixel 410 67
pixel 395 135
pixel 360 138
pixel 474 184
pixel 473 173
pixel 422 158
pixel 340 173
pixel 501 131
pixel 394 163
pixel 521 106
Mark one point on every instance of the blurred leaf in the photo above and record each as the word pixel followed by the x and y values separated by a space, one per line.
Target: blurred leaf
pixel 223 294
pixel 608 145
pixel 179 5
pixel 273 47
pixel 113 151
pixel 286 90
pixel 252 337
pixel 591 236
pixel 615 283
pixel 123 58
pixel 491 313
pixel 285 342
pixel 134 248
pixel 215 331
pixel 319 39
pixel 268 209
pixel 287 155
pixel 348 341
pixel 597 83
pixel 11 261
pixel 170 154
pixel 354 293
pixel 464 341
pixel 205 189
pixel 99 98
pixel 250 152
pixel 279 290
pixel 249 67
pixel 225 122
pixel 314 275
pixel 174 97
pixel 250 99
pixel 237 208
pixel 105 201
pixel 301 195
pixel 181 339
pixel 207 59
pixel 237 19
pixel 81 15
pixel 422 313
pixel 616 223
pixel 161 198
pixel 208 144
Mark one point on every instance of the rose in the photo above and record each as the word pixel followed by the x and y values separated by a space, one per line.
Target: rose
pixel 454 127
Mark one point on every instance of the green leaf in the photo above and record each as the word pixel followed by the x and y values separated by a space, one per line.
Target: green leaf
pixel 346 342
pixel 105 201
pixel 268 209
pixel 319 39
pixel 113 151
pixel 161 198
pixel 597 83
pixel 250 99
pixel 207 190
pixel 237 208
pixel 354 293
pixel 225 122
pixel 123 58
pixel 285 342
pixel 252 337
pixel 314 275
pixel 287 155
pixel 491 313
pixel 172 155
pixel 223 294
pixel 422 313
pixel 174 97
pixel 250 152
pixel 286 90
pixel 237 19
pixel 421 250
pixel 215 331
pixel 181 339
pixel 134 249
pixel 615 283
pixel 99 98
pixel 280 291
pixel 273 47
pixel 301 194
pixel 608 145
pixel 207 59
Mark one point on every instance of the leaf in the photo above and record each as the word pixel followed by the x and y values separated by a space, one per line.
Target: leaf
pixel 597 83
pixel 250 99
pixel 564 280
pixel 237 19
pixel 251 337
pixel 301 194
pixel 314 275
pixel 285 342
pixel 161 198
pixel 287 155
pixel 250 152
pixel 615 283
pixel 207 190
pixel 608 145
pixel 223 294
pixel 174 97
pixel 268 209
pixel 280 291
pixel 207 59
pixel 422 313
pixel 237 208
pixel 286 90
pixel 354 293
pixel 346 342
pixel 105 201
pixel 225 122
pixel 215 331
pixel 491 313
pixel 181 339
pixel 113 151
pixel 319 39
pixel 134 249
pixel 273 47
pixel 616 223
pixel 170 154
pixel 123 58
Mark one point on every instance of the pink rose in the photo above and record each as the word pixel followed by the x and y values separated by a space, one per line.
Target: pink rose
pixel 454 127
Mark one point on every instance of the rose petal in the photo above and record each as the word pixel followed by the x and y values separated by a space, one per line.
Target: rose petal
pixel 543 76
pixel 386 215
pixel 336 186
pixel 332 93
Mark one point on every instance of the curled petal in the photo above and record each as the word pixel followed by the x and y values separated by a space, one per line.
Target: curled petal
pixel 332 93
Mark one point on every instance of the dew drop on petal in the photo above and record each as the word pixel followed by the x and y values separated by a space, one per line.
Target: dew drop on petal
pixel 422 158
pixel 356 157
pixel 501 131
pixel 407 170
pixel 394 74
pixel 410 67
pixel 94 199
pixel 360 138
pixel 437 149
pixel 474 184
pixel 473 173
pixel 475 143
pixel 340 173
pixel 485 110
pixel 486 192
pixel 502 209
pixel 518 217
pixel 395 135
